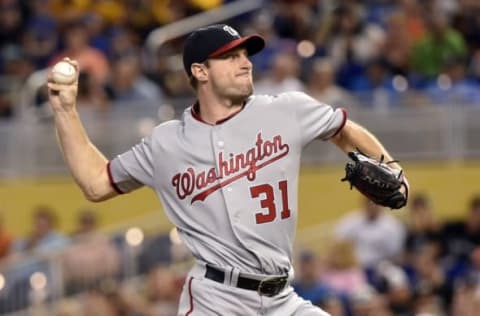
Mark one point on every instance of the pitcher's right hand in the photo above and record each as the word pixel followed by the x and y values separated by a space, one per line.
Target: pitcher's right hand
pixel 63 97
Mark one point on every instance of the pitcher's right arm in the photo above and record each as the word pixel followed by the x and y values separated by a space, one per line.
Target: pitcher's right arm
pixel 86 163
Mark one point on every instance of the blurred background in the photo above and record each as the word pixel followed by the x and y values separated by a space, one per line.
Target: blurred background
pixel 409 70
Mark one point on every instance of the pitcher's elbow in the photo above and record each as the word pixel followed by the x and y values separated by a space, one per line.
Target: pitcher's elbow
pixel 93 195
pixel 94 199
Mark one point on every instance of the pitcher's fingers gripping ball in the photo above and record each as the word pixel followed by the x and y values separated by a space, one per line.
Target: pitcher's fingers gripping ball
pixel 64 72
pixel 375 179
pixel 62 83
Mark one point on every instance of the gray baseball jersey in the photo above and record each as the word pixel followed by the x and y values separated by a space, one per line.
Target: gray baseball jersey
pixel 231 188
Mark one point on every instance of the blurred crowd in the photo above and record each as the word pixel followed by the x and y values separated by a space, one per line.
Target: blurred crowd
pixel 375 263
pixel 372 53
pixel 89 271
pixel 384 265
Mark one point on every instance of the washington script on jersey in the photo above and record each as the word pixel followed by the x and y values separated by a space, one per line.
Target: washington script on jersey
pixel 239 165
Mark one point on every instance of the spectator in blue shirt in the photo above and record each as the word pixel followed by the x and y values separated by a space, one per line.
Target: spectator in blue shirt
pixel 453 87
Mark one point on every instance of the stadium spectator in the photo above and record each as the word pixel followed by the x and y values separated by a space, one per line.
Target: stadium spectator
pixel 307 282
pixel 465 21
pixel 453 87
pixel 7 107
pixel 167 72
pixel 397 45
pixel 296 19
pixel 461 237
pixel 140 18
pixel 124 300
pixel 366 228
pixel 122 41
pixel 473 273
pixel 164 286
pixel 353 44
pixel 12 22
pixel 282 77
pixel 439 44
pixel 91 258
pixel 87 223
pixel 474 66
pixel 342 272
pixel 154 296
pixel 77 46
pixel 375 88
pixel 40 39
pixel 415 19
pixel 155 251
pixel 321 85
pixel 262 24
pixel 43 237
pixel 367 302
pixel 427 302
pixel 69 307
pixel 99 32
pixel 466 301
pixel 31 256
pixel 16 67
pixel 392 283
pixel 334 306
pixel 423 228
pixel 129 85
pixel 91 94
pixel 428 280
pixel 97 303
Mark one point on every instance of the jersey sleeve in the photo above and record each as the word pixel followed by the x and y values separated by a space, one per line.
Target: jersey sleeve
pixel 132 169
pixel 316 119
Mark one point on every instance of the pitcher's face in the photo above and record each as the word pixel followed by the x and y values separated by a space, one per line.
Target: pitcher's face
pixel 230 75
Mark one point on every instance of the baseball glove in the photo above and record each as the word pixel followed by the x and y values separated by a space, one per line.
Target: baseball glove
pixel 376 180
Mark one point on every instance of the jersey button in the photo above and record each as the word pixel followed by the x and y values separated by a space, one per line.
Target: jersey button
pixel 229 189
pixel 220 143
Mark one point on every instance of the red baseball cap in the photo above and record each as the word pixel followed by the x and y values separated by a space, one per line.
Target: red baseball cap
pixel 215 40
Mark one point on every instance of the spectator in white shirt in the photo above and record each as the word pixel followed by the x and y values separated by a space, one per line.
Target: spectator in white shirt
pixel 376 234
pixel 282 76
pixel 321 85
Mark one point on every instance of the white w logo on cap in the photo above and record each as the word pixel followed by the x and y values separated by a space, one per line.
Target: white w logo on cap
pixel 230 30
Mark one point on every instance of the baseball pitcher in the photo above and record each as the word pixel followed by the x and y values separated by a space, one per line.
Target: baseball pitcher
pixel 226 173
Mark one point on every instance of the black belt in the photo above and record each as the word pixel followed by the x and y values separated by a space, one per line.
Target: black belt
pixel 267 287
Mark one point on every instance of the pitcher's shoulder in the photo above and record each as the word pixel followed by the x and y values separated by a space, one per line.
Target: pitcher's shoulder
pixel 167 126
pixel 285 98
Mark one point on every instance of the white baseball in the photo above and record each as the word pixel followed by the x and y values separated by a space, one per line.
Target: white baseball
pixel 63 72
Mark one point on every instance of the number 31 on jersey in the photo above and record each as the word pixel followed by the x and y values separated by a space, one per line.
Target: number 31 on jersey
pixel 265 192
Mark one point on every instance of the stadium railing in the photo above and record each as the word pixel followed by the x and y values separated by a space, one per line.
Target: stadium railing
pixel 29 147
pixel 38 279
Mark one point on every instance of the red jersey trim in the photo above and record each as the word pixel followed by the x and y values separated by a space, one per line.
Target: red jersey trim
pixel 196 115
pixel 110 179
pixel 191 296
pixel 341 125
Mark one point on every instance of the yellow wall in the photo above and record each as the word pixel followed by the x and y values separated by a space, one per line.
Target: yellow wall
pixel 19 197
pixel 450 186
pixel 322 196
